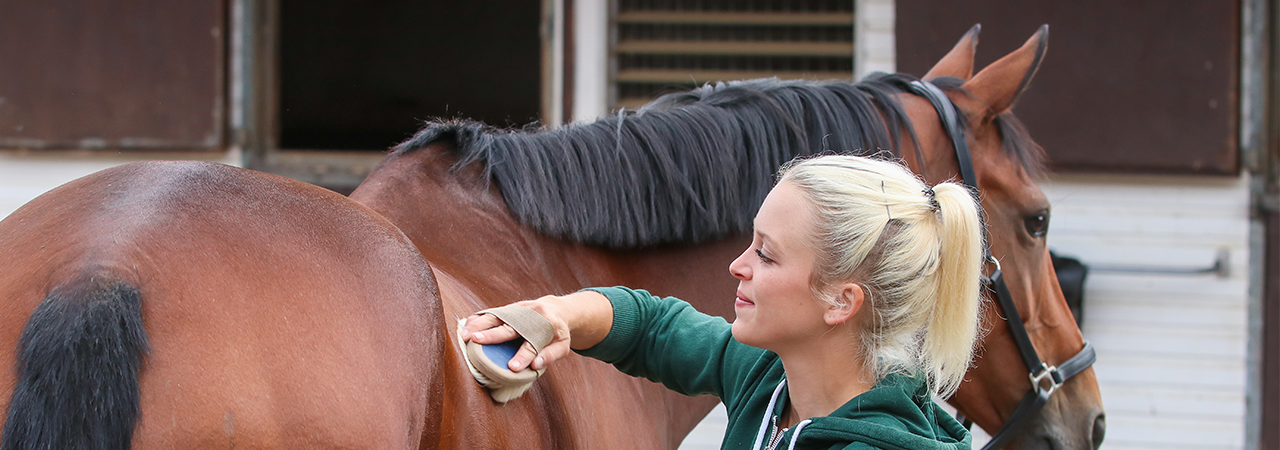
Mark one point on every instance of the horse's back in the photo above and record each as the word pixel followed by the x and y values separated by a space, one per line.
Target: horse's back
pixel 276 314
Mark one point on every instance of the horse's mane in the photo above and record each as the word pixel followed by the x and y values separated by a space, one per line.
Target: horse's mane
pixel 688 167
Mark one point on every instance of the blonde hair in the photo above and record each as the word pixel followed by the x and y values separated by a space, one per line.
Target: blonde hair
pixel 919 260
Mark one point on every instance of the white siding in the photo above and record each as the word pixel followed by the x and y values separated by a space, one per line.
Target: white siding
pixel 710 432
pixel 26 175
pixel 1171 348
pixel 874 49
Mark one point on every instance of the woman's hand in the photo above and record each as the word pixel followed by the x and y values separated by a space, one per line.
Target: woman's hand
pixel 581 319
pixel 488 329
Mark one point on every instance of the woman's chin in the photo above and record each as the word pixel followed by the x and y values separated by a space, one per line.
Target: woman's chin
pixel 740 330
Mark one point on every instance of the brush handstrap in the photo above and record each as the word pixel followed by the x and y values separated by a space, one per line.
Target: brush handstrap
pixel 530 325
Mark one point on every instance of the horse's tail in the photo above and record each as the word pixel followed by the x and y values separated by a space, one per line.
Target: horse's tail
pixel 78 363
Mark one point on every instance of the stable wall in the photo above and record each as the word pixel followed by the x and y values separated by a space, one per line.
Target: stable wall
pixel 1172 349
pixel 26 175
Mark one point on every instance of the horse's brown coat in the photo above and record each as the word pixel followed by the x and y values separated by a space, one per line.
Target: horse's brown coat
pixel 267 303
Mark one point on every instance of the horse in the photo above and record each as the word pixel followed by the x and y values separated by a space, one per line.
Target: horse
pixel 197 305
pixel 663 198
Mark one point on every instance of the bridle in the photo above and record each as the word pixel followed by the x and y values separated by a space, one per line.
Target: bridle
pixel 1045 379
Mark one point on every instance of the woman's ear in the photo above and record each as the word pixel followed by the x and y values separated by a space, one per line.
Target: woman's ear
pixel 848 302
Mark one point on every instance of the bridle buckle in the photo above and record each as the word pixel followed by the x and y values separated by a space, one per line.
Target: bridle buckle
pixel 1047 380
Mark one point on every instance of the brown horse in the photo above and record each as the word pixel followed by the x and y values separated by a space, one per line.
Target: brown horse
pixel 279 315
pixel 498 233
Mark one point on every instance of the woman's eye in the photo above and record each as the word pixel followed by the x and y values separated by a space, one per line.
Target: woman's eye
pixel 760 253
pixel 1037 225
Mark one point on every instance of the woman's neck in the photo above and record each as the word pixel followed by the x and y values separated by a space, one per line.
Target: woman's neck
pixel 821 378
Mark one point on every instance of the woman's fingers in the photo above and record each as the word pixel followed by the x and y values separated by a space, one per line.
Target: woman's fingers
pixel 487 329
pixel 522 358
pixel 527 357
pixel 550 353
pixel 559 345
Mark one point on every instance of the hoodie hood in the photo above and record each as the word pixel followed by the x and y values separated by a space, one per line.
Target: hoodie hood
pixel 897 413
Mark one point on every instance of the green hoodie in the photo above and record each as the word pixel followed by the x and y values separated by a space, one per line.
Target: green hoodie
pixel 667 341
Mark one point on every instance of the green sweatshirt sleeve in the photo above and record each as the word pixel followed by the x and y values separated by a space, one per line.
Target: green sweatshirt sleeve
pixel 667 341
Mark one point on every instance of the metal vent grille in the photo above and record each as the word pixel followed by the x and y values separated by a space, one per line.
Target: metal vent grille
pixel 663 46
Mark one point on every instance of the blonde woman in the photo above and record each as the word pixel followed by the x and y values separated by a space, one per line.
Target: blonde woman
pixel 857 299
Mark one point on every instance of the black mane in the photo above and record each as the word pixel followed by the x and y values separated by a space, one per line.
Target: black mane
pixel 688 167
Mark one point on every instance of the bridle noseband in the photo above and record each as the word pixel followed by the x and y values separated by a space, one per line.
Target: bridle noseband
pixel 1045 379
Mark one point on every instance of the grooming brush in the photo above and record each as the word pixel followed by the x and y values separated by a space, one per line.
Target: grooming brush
pixel 488 362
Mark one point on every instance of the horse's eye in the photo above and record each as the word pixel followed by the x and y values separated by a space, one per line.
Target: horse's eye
pixel 1038 224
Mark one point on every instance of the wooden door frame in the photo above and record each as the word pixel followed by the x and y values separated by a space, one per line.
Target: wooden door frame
pixel 254 92
pixel 1260 150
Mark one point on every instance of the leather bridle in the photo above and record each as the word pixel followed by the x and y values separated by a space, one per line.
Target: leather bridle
pixel 1045 379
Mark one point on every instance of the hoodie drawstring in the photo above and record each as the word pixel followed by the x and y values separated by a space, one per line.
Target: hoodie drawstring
pixel 768 413
pixel 795 437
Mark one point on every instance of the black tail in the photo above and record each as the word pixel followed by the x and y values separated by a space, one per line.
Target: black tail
pixel 78 364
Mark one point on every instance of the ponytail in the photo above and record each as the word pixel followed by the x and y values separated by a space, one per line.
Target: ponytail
pixel 952 329
pixel 917 251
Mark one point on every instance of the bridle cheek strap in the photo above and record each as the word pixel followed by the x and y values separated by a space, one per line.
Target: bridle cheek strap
pixel 951 122
pixel 1045 379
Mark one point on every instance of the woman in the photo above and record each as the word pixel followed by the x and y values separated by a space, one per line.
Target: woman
pixel 857 299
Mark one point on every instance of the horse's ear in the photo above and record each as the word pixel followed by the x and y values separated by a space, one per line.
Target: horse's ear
pixel 959 61
pixel 999 84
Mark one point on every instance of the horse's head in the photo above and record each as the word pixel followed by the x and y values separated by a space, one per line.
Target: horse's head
pixel 1017 217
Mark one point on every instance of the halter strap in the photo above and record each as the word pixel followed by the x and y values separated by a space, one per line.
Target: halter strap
pixel 951 122
pixel 1045 379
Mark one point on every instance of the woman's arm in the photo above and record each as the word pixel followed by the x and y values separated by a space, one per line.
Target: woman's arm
pixel 664 340
pixel 581 320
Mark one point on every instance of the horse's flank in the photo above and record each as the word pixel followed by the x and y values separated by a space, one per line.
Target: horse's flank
pixel 262 299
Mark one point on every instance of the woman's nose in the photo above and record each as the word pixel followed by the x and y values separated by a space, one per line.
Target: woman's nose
pixel 739 267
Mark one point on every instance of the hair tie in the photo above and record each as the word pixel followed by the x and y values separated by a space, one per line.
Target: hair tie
pixel 886 203
pixel 933 200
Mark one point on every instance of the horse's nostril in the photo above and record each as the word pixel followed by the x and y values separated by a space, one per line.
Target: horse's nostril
pixel 1099 430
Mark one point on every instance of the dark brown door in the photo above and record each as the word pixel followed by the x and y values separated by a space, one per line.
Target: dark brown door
pixel 1126 86
pixel 121 74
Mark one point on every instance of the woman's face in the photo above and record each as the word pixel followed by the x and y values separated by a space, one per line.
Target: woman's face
pixel 775 307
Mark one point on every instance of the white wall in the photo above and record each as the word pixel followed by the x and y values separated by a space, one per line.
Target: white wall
pixel 874 46
pixel 26 175
pixel 590 59
pixel 1171 348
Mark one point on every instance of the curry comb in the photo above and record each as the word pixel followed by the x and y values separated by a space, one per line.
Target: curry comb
pixel 488 362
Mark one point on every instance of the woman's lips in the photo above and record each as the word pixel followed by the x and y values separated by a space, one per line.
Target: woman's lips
pixel 742 302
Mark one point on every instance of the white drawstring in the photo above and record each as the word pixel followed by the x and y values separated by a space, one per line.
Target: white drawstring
pixel 768 413
pixel 795 437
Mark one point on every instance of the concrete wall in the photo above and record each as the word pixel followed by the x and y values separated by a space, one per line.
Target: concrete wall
pixel 26 175
pixel 1172 355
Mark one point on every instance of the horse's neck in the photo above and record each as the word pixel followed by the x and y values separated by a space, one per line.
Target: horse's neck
pixel 696 274
pixel 462 226
pixel 482 257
